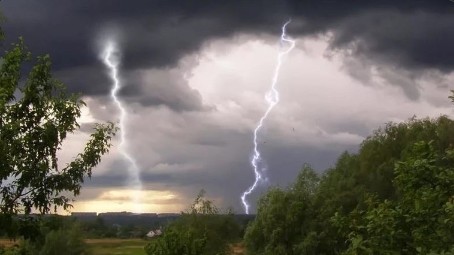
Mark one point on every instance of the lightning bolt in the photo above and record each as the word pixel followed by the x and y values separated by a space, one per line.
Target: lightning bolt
pixel 111 60
pixel 272 98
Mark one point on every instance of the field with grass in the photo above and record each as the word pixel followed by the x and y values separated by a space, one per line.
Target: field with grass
pixel 113 246
pixel 105 246
pixel 116 246
pixel 133 247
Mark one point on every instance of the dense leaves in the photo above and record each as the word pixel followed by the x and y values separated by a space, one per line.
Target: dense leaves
pixel 421 220
pixel 68 240
pixel 202 230
pixel 36 115
pixel 50 235
pixel 283 217
pixel 395 196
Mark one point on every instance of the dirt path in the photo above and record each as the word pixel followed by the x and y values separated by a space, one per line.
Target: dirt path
pixel 7 242
pixel 237 249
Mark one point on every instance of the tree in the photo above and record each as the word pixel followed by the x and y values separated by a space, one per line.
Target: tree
pixel 421 220
pixel 394 196
pixel 177 243
pixel 202 230
pixel 282 225
pixel 68 240
pixel 357 178
pixel 36 116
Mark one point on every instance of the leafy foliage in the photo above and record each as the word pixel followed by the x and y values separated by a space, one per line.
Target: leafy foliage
pixel 177 243
pixel 51 235
pixel 421 220
pixel 35 118
pixel 199 231
pixel 395 196
pixel 283 217
pixel 71 241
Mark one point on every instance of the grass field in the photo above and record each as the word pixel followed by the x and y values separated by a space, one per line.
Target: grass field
pixel 106 246
pixel 116 246
pixel 122 246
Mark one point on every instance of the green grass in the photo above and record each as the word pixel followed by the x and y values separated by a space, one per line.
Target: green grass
pixel 116 246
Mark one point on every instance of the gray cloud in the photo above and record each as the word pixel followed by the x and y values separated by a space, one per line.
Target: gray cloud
pixel 225 178
pixel 415 39
pixel 157 34
pixel 190 118
pixel 162 88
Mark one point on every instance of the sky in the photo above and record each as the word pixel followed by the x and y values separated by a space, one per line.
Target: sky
pixel 194 75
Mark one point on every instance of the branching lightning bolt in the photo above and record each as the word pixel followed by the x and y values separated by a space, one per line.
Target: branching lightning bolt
pixel 111 60
pixel 272 98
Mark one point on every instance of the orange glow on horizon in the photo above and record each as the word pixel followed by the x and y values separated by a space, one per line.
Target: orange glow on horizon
pixel 118 200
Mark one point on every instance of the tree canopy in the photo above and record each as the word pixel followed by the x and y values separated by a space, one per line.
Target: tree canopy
pixel 36 115
pixel 201 230
pixel 394 196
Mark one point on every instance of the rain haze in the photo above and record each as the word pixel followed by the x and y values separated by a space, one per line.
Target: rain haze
pixel 194 75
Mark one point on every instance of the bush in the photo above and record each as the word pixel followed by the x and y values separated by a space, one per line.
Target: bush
pixel 70 241
pixel 199 231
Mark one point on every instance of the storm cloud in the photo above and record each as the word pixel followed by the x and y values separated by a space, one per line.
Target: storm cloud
pixel 194 74
pixel 157 34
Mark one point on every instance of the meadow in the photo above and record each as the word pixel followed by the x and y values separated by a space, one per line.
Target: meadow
pixel 106 246
pixel 116 246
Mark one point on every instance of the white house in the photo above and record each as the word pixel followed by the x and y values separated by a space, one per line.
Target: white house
pixel 154 233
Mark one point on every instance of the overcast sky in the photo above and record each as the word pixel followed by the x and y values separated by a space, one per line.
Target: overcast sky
pixel 194 75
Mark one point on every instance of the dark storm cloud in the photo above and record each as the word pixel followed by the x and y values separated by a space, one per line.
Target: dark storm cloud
pixel 409 34
pixel 413 39
pixel 84 79
pixel 167 88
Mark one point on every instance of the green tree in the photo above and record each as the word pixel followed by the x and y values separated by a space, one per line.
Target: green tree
pixel 366 190
pixel 174 242
pixel 283 219
pixel 357 178
pixel 68 240
pixel 201 230
pixel 36 116
pixel 421 220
